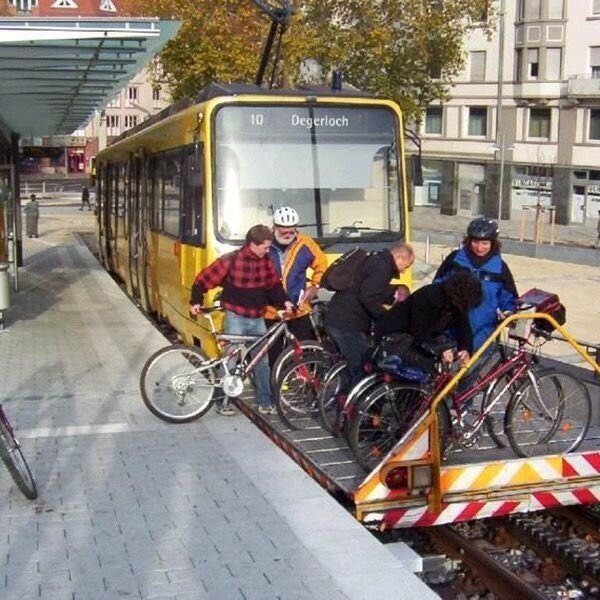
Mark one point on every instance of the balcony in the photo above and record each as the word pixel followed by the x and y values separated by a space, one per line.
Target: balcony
pixel 583 86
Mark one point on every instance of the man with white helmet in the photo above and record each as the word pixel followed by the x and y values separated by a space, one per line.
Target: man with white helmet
pixel 293 254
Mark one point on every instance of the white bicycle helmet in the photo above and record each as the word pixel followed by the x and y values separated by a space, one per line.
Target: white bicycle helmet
pixel 286 217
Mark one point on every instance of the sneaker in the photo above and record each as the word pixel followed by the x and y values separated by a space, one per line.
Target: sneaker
pixel 267 410
pixel 225 411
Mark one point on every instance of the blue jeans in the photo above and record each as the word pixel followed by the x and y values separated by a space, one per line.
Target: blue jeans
pixel 237 325
pixel 353 346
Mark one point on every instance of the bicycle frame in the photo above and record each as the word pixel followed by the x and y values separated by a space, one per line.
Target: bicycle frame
pixel 516 365
pixel 241 351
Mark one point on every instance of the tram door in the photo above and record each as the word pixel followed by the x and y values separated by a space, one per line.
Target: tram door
pixel 144 216
pixel 135 240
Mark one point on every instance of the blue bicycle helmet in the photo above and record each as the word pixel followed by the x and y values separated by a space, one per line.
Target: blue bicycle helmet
pixel 482 228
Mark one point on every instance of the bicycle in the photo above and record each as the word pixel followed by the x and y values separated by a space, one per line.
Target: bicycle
pixel 12 457
pixel 178 382
pixel 546 410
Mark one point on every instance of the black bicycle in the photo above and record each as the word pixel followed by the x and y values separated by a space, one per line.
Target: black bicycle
pixel 12 457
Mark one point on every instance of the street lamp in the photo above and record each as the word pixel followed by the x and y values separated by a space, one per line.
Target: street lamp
pixel 499 145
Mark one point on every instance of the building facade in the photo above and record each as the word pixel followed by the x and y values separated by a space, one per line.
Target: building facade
pixel 523 120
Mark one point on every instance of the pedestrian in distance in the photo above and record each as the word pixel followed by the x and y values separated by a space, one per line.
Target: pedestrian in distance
pixel 294 254
pixel 480 255
pixel 32 217
pixel 249 284
pixel 428 314
pixel 351 313
pixel 598 231
pixel 85 198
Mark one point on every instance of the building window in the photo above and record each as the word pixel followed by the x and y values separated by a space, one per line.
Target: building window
pixel 131 121
pixel 533 62
pixel 64 4
pixel 595 61
pixel 478 120
pixel 596 7
pixel 112 125
pixel 519 65
pixel 530 9
pixel 132 95
pixel 156 97
pixel 539 123
pixel 477 65
pixel 433 120
pixel 595 124
pixel 553 63
pixel 555 9
pixel 107 6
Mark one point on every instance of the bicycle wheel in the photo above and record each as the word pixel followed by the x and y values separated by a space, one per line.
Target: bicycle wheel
pixel 174 384
pixel 333 397
pixel 549 414
pixel 381 421
pixel 15 462
pixel 296 396
pixel 290 355
pixel 356 397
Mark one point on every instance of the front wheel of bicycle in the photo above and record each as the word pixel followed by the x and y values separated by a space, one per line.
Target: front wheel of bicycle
pixel 550 414
pixel 299 388
pixel 383 418
pixel 336 384
pixel 176 384
pixel 291 355
pixel 15 462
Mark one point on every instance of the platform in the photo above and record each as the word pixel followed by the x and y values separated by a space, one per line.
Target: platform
pixel 132 507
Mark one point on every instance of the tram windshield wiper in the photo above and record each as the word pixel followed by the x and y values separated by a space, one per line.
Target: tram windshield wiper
pixel 347 230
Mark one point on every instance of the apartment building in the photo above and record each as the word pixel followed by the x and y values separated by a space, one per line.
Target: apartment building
pixel 140 99
pixel 531 135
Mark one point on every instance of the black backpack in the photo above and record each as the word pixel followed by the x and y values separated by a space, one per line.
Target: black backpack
pixel 340 274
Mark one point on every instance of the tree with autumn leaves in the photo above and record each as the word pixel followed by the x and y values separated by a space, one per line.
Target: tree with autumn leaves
pixel 409 50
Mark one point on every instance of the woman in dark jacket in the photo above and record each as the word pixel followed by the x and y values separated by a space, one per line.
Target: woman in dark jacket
pixel 434 310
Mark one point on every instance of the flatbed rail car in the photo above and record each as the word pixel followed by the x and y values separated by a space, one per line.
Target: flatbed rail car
pixel 470 484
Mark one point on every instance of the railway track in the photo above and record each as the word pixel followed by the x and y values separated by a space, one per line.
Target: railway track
pixel 551 554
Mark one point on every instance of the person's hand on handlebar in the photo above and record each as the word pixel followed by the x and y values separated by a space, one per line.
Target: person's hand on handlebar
pixel 195 309
pixel 290 307
pixel 309 294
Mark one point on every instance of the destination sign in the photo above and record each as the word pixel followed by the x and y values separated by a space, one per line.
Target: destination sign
pixel 235 121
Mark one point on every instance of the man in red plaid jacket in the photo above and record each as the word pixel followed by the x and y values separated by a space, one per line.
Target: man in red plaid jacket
pixel 250 284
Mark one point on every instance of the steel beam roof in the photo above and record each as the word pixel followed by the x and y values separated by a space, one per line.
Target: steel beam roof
pixel 54 72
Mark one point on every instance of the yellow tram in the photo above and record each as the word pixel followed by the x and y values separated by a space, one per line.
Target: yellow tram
pixel 184 187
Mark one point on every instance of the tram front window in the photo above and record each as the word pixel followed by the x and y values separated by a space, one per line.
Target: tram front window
pixel 337 166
